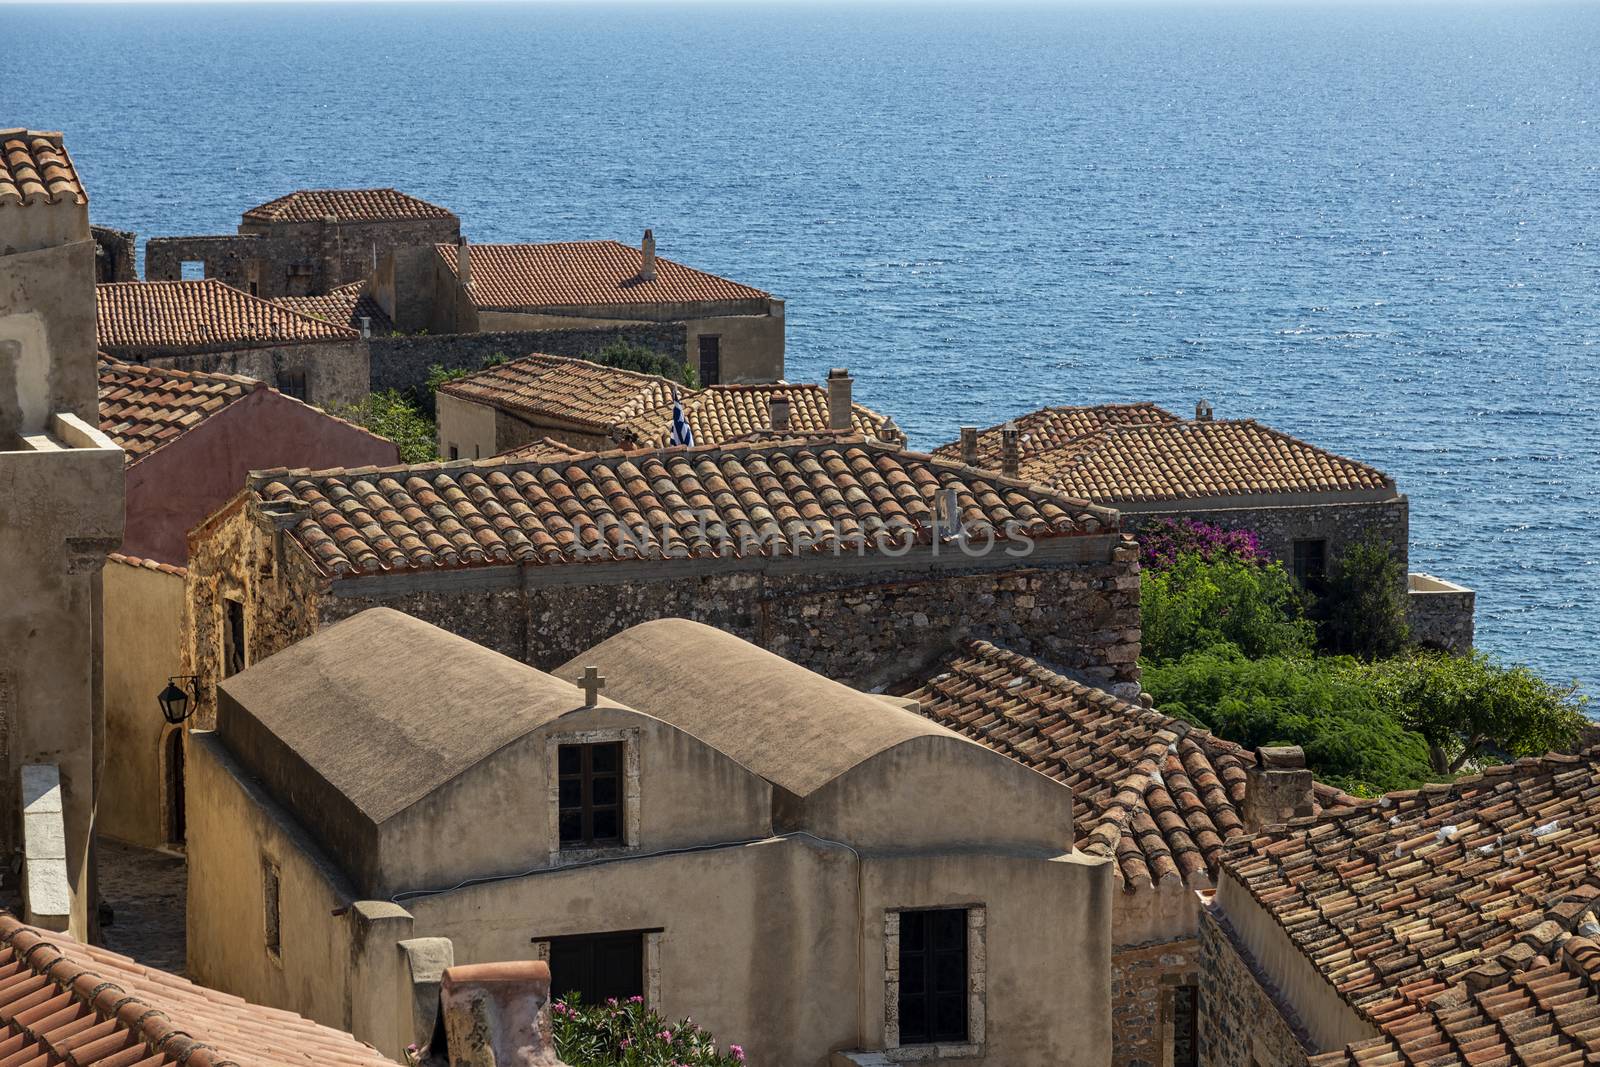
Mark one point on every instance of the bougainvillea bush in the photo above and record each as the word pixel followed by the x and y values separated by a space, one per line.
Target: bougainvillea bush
pixel 1162 542
pixel 627 1034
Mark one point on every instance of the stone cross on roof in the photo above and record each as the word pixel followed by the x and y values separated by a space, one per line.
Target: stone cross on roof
pixel 592 681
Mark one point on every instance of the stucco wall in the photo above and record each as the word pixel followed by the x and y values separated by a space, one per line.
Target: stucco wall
pixel 466 429
pixel 144 647
pixel 336 372
pixel 176 487
pixel 47 335
pixel 750 348
pixel 1280 527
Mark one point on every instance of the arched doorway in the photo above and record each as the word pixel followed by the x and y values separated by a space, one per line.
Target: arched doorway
pixel 176 831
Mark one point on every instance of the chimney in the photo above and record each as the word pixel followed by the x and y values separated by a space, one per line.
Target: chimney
pixel 497 1015
pixel 464 263
pixel 779 407
pixel 839 409
pixel 1202 411
pixel 1277 788
pixel 1010 454
pixel 647 257
pixel 366 326
pixel 969 445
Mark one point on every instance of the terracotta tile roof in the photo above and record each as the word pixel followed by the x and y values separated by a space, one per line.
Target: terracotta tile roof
pixel 346 205
pixel 63 1002
pixel 343 307
pixel 1434 892
pixel 1154 793
pixel 1190 460
pixel 586 395
pixel 35 169
pixel 585 273
pixel 755 500
pixel 143 408
pixel 723 413
pixel 147 564
pixel 200 313
pixel 1052 428
pixel 349 287
pixel 542 449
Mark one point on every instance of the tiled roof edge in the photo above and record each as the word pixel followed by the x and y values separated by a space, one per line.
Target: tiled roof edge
pixel 345 331
pixel 147 564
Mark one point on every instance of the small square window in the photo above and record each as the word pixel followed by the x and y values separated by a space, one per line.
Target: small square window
pixel 292 382
pixel 589 791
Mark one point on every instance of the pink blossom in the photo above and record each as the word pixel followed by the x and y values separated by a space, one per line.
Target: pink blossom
pixel 635 1000
pixel 737 1052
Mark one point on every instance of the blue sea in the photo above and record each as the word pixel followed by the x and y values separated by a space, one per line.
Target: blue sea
pixel 1377 228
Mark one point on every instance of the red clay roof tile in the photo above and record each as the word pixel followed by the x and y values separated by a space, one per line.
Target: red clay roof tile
pixel 584 274
pixel 590 396
pixel 143 408
pixel 345 306
pixel 35 169
pixel 346 205
pixel 187 314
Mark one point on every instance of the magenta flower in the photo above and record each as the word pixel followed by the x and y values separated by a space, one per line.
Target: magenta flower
pixel 737 1052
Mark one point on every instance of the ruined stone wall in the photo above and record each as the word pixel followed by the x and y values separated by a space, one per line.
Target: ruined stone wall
pixel 1442 619
pixel 114 255
pixel 1144 979
pixel 863 627
pixel 1240 1024
pixel 232 259
pixel 402 362
pixel 1280 527
pixel 335 372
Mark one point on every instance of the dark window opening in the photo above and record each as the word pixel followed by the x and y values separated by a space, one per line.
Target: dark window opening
pixel 232 638
pixel 455 453
pixel 1185 1026
pixel 590 794
pixel 255 289
pixel 597 966
pixel 292 382
pixel 933 976
pixel 177 832
pixel 710 360
pixel 1311 563
pixel 269 898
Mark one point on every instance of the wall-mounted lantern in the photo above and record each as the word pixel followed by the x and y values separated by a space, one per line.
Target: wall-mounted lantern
pixel 176 700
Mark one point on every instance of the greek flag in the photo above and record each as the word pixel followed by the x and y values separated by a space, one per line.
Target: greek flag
pixel 682 432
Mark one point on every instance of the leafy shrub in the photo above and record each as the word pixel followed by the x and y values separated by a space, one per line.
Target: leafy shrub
pixel 625 355
pixel 1362 610
pixel 1196 604
pixel 1469 707
pixel 1327 706
pixel 630 1035
pixel 389 414
pixel 1164 541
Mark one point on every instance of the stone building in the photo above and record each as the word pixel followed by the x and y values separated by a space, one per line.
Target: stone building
pixel 211 327
pixel 1307 504
pixel 696 822
pixel 850 557
pixel 348 305
pixel 589 406
pixel 60 513
pixel 1449 926
pixel 1155 795
pixel 190 440
pixel 733 333
pixel 308 242
pixel 114 252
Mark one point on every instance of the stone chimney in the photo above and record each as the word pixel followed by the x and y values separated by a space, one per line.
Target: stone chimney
pixel 779 407
pixel 969 445
pixel 498 1015
pixel 839 409
pixel 1010 450
pixel 1202 411
pixel 647 257
pixel 464 263
pixel 1277 788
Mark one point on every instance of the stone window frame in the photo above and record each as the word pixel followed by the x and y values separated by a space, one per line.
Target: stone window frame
pixel 1166 1011
pixel 977 987
pixel 629 738
pixel 652 962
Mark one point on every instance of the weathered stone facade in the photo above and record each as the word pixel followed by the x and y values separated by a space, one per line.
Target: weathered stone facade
pixel 114 255
pixel 1145 982
pixel 328 374
pixel 864 621
pixel 1240 1024
pixel 1279 527
pixel 403 362
pixel 1440 614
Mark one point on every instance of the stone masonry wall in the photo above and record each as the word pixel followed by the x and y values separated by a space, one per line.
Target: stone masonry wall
pixel 1240 1024
pixel 1280 527
pixel 1442 620
pixel 402 362
pixel 1143 978
pixel 862 628
pixel 335 371
pixel 113 255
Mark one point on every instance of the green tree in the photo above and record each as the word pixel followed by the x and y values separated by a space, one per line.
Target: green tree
pixel 1467 707
pixel 1196 604
pixel 626 355
pixel 1362 611
pixel 390 414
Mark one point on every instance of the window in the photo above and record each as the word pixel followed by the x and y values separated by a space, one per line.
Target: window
pixel 269 902
pixel 232 638
pixel 455 453
pixel 292 382
pixel 590 795
pixel 1310 563
pixel 933 976
pixel 255 289
pixel 597 966
pixel 710 360
pixel 1185 1032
